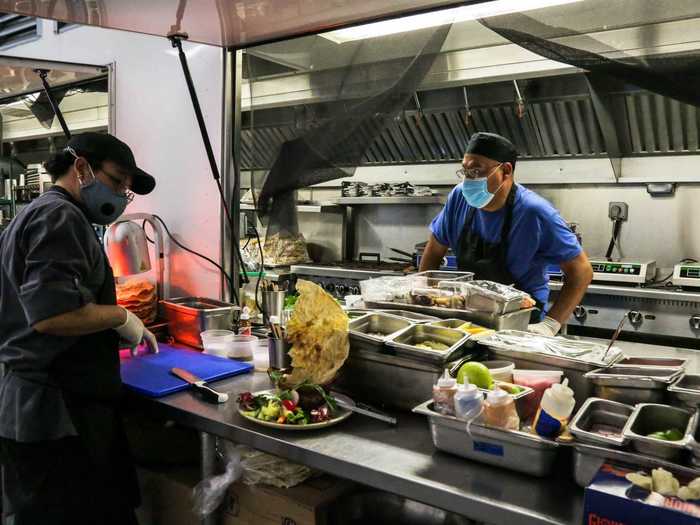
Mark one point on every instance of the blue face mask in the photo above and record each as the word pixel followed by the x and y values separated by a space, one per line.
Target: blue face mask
pixel 476 191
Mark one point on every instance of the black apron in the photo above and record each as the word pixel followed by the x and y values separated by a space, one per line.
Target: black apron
pixel 488 260
pixel 97 463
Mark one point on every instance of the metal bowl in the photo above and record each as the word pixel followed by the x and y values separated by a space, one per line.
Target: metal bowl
pixel 601 422
pixel 648 418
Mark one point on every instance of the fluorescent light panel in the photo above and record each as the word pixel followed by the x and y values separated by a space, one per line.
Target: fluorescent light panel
pixel 438 18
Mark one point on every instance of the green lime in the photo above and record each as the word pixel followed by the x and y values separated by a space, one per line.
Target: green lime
pixel 475 373
pixel 674 435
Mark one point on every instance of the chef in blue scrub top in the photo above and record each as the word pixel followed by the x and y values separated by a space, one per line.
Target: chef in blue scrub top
pixel 506 233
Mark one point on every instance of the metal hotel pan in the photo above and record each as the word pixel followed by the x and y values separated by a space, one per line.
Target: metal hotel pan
pixel 589 458
pixel 388 380
pixel 415 317
pixel 514 450
pixel 361 330
pixel 650 417
pixel 404 343
pixel 686 390
pixel 517 320
pixel 632 385
pixel 652 362
pixel 601 415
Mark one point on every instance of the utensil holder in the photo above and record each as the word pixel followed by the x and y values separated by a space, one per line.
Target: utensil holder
pixel 278 350
pixel 273 303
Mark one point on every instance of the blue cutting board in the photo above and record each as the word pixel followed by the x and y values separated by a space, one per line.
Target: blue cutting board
pixel 149 374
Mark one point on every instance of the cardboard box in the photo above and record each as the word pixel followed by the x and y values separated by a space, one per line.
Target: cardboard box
pixel 611 499
pixel 167 500
pixel 305 504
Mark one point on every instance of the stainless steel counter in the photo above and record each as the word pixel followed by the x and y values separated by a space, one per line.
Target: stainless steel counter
pixel 398 459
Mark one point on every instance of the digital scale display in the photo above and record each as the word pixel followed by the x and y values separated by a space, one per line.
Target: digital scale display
pixel 617 268
pixel 690 272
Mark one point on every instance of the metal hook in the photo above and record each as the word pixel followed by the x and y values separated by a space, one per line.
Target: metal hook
pixel 519 101
pixel 420 109
pixel 468 111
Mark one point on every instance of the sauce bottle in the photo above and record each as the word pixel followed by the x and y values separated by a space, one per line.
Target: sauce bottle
pixel 244 325
pixel 499 410
pixel 443 394
pixel 468 401
pixel 555 410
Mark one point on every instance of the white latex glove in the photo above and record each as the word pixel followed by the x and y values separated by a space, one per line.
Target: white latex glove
pixel 548 326
pixel 150 340
pixel 134 332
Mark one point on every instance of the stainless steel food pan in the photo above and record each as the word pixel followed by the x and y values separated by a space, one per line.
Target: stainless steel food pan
pixel 632 385
pixel 513 450
pixel 652 362
pixel 189 316
pixel 372 329
pixel 648 418
pixel 404 342
pixel 386 380
pixel 412 316
pixel 517 320
pixel 601 422
pixel 686 390
pixel 450 323
pixel 432 278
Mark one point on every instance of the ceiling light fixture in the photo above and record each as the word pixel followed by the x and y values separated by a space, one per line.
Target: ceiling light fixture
pixel 438 18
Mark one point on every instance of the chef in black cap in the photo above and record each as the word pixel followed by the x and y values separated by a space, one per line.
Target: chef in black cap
pixel 506 233
pixel 62 447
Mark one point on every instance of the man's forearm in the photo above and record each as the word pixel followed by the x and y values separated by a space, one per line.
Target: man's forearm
pixel 432 255
pixel 569 297
pixel 89 319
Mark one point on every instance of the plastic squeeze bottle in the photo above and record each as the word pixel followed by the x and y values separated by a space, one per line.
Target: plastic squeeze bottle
pixel 468 401
pixel 555 410
pixel 499 410
pixel 244 325
pixel 443 394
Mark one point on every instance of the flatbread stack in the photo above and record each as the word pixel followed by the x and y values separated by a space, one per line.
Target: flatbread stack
pixel 318 333
pixel 139 297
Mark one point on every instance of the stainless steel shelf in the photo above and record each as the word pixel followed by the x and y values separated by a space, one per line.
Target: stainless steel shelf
pixel 322 207
pixel 360 201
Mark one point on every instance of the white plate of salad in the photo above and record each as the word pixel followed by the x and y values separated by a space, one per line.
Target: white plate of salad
pixel 305 407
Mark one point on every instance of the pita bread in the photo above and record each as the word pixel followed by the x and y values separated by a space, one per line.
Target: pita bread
pixel 318 333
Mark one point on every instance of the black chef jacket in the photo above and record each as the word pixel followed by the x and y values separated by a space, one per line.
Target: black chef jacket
pixel 50 263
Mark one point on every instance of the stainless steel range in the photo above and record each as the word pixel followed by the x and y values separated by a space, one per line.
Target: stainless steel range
pixel 667 312
pixel 343 278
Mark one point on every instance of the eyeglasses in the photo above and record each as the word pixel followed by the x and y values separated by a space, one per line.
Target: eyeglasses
pixel 121 186
pixel 475 173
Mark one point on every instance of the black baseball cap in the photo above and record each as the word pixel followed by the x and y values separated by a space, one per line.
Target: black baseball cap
pixel 111 148
pixel 493 146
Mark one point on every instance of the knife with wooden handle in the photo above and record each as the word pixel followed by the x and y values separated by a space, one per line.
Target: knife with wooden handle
pixel 208 393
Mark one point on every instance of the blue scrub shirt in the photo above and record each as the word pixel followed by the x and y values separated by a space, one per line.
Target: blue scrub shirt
pixel 538 236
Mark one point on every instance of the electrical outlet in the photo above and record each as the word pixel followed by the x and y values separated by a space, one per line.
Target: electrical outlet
pixel 617 211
